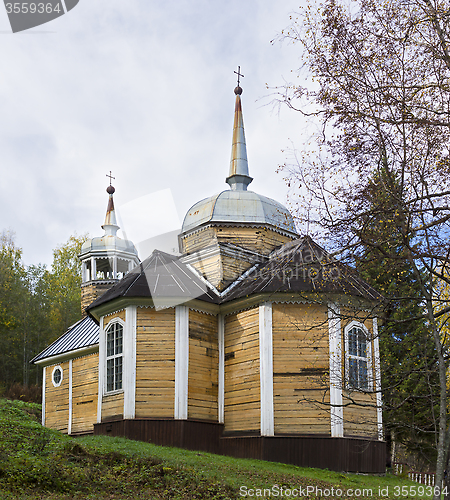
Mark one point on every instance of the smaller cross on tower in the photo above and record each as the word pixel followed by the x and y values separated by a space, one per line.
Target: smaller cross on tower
pixel 110 177
pixel 238 73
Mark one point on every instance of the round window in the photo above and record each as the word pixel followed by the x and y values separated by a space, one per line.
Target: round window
pixel 57 376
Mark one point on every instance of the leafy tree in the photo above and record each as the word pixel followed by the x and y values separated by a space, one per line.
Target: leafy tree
pixel 36 305
pixel 381 93
pixel 65 285
pixel 12 292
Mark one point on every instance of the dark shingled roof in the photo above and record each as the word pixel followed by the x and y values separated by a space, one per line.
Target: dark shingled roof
pixel 302 265
pixel 83 333
pixel 298 266
pixel 160 276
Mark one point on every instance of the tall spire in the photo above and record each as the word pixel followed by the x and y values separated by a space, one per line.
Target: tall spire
pixel 110 226
pixel 238 178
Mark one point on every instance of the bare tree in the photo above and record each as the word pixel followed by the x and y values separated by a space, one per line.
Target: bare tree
pixel 381 92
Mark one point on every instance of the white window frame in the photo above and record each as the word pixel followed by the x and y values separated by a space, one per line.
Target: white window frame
pixel 112 323
pixel 368 358
pixel 57 367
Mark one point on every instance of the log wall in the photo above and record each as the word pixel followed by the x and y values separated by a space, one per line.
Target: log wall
pixel 242 383
pixel 112 406
pixel 155 362
pixel 108 318
pixel 57 399
pixel 360 417
pixel 257 239
pixel 91 291
pixel 84 393
pixel 203 366
pixel 301 369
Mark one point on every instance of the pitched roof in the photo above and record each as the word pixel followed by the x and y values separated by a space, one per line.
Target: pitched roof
pixel 302 265
pixel 83 333
pixel 298 266
pixel 162 277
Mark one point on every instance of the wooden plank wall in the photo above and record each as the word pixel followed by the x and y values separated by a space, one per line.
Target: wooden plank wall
pixel 242 383
pixel 199 240
pixel 107 319
pixel 84 393
pixel 360 417
pixel 112 406
pixel 155 363
pixel 210 268
pixel 258 239
pixel 91 291
pixel 301 369
pixel 57 399
pixel 203 366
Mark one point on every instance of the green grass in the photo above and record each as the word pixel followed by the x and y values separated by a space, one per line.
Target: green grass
pixel 38 463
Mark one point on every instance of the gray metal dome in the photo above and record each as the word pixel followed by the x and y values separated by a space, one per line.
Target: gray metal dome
pixel 107 257
pixel 108 242
pixel 239 207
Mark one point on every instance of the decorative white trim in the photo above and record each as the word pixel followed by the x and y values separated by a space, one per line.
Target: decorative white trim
pixel 69 425
pixel 76 353
pixel 335 347
pixel 264 225
pixel 230 287
pixel 376 354
pixel 101 369
pixel 114 312
pixel 221 374
pixel 102 282
pixel 240 309
pixel 181 362
pixel 129 360
pixel 146 307
pixel 197 309
pixel 266 368
pixel 299 301
pixel 43 395
pixel 363 327
pixel 57 367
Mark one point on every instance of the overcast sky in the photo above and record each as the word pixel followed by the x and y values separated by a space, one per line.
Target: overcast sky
pixel 144 89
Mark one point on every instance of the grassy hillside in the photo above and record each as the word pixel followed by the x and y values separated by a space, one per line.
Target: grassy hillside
pixel 37 463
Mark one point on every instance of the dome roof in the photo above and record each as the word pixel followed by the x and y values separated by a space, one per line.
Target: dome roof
pixel 239 207
pixel 106 243
pixel 109 242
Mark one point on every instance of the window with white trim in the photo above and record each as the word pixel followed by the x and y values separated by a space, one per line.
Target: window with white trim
pixel 358 358
pixel 57 376
pixel 114 357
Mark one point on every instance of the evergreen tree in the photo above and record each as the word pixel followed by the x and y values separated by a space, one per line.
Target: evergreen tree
pixel 410 380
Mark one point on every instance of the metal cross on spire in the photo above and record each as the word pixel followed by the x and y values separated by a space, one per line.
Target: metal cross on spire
pixel 110 177
pixel 238 73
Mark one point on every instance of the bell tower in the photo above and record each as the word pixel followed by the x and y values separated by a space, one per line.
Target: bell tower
pixel 105 259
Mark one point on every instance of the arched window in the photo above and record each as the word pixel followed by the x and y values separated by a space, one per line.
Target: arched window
pixel 358 357
pixel 114 357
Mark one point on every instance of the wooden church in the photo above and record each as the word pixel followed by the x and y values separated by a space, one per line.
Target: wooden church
pixel 252 343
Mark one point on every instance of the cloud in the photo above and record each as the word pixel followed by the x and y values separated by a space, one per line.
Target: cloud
pixel 144 89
